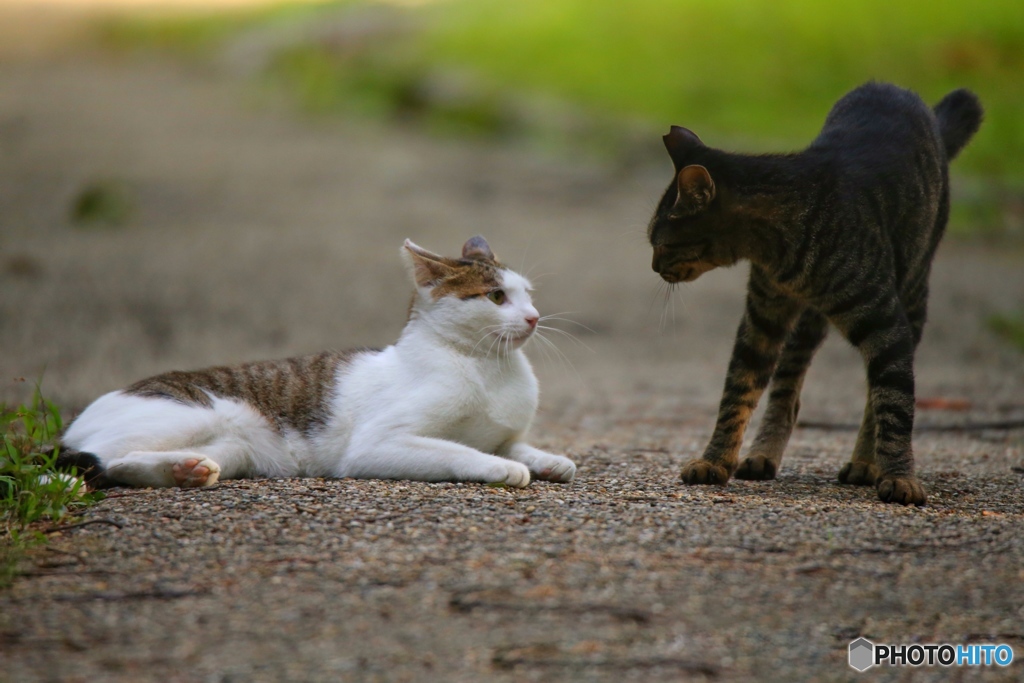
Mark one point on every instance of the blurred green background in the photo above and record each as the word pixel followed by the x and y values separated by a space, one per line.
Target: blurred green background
pixel 607 77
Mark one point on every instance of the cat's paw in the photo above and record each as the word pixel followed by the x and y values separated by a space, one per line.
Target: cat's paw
pixel 195 472
pixel 858 473
pixel 901 490
pixel 553 468
pixel 756 468
pixel 510 473
pixel 704 472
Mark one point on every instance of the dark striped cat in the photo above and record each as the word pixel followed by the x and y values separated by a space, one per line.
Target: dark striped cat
pixel 842 232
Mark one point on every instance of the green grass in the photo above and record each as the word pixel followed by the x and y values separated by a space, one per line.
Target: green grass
pixel 755 75
pixel 760 73
pixel 32 489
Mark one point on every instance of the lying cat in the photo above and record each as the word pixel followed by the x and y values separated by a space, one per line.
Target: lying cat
pixel 450 401
pixel 843 232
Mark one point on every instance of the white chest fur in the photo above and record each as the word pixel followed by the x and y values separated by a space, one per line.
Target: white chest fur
pixel 434 390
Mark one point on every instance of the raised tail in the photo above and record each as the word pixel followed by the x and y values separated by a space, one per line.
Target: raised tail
pixel 959 114
pixel 88 467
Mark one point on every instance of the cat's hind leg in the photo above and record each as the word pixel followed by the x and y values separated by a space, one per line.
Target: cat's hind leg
pixel 862 470
pixel 163 469
pixel 765 456
pixel 886 340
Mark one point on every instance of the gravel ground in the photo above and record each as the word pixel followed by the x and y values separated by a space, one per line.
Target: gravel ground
pixel 255 233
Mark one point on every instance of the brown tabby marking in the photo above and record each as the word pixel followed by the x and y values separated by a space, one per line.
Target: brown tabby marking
pixel 475 274
pixel 292 393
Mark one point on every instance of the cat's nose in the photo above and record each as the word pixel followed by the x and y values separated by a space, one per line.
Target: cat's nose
pixel 532 321
pixel 659 254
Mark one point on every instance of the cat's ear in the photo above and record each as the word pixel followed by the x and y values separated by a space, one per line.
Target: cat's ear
pixel 696 190
pixel 680 142
pixel 426 268
pixel 476 248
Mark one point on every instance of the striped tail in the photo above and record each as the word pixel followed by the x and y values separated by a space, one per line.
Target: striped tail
pixel 85 465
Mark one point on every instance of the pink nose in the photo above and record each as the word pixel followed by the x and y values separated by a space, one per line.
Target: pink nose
pixel 532 321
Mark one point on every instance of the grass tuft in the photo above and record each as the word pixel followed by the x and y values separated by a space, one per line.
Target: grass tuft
pixel 32 488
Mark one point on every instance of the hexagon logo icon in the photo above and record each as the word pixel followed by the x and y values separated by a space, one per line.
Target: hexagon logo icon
pixel 862 654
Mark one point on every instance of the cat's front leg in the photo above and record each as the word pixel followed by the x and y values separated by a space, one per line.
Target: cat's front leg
pixel 546 466
pixel 421 458
pixel 765 456
pixel 766 323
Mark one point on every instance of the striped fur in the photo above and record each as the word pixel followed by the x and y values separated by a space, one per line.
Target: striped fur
pixel 842 233
pixel 291 393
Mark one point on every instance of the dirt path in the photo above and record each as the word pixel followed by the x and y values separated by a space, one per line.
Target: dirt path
pixel 254 233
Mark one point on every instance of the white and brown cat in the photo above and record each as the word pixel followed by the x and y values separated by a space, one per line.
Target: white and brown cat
pixel 451 400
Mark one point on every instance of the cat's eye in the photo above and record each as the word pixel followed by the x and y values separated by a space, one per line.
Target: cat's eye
pixel 497 296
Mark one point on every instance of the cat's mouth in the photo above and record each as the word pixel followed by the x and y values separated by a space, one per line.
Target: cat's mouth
pixel 513 339
pixel 521 339
pixel 685 271
pixel 675 264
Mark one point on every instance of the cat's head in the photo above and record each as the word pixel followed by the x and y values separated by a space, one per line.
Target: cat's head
pixel 473 301
pixel 690 230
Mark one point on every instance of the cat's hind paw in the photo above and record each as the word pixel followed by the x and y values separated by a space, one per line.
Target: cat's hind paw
pixel 704 472
pixel 901 490
pixel 554 468
pixel 858 473
pixel 195 472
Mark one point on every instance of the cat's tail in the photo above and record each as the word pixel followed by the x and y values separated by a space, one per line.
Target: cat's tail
pixel 959 114
pixel 88 467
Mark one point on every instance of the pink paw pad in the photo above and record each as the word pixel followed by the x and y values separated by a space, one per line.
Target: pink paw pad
pixel 194 472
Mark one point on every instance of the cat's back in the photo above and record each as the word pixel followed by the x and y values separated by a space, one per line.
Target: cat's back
pixel 881 127
pixel 291 393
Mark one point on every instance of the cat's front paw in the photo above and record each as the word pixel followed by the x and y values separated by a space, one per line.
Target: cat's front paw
pixel 901 490
pixel 510 473
pixel 553 468
pixel 756 468
pixel 704 472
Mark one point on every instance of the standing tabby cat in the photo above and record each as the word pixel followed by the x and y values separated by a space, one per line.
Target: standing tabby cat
pixel 843 232
pixel 451 400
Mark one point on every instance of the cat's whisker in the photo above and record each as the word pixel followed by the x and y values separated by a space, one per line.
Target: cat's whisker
pixel 545 346
pixel 555 316
pixel 495 341
pixel 537 278
pixel 666 301
pixel 542 349
pixel 672 302
pixel 508 349
pixel 654 296
pixel 484 338
pixel 571 337
pixel 559 354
